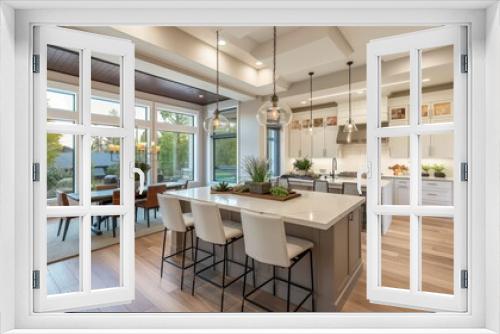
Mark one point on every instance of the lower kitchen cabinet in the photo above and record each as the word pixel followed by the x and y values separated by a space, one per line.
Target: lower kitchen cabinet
pixel 434 192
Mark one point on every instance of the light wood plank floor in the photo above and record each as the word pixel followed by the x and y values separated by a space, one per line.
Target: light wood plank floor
pixel 164 295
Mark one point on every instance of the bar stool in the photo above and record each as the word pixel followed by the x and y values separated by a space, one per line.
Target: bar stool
pixel 176 221
pixel 266 242
pixel 211 228
pixel 320 185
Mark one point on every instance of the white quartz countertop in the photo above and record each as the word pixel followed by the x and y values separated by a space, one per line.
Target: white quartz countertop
pixel 337 181
pixel 313 209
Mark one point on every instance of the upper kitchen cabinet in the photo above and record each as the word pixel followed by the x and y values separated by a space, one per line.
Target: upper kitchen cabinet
pixel 318 142
pixel 358 111
pixel 436 107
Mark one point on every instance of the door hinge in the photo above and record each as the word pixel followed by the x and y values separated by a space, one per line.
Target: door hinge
pixel 464 279
pixel 36 172
pixel 465 64
pixel 464 171
pixel 36 279
pixel 36 63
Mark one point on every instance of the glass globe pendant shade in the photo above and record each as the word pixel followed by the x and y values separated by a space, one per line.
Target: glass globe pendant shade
pixel 350 127
pixel 217 122
pixel 274 112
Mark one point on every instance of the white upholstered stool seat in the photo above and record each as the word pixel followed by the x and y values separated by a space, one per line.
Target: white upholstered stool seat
pixel 188 219
pixel 296 246
pixel 232 229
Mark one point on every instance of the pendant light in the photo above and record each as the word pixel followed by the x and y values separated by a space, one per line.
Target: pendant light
pixel 216 122
pixel 311 101
pixel 274 112
pixel 350 126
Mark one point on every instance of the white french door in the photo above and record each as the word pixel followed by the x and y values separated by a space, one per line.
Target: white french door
pixel 417 246
pixel 70 158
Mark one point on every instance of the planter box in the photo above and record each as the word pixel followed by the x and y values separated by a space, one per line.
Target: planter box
pixel 259 187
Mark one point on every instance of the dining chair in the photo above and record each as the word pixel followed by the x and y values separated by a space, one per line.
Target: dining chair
pixel 62 200
pixel 151 200
pixel 266 242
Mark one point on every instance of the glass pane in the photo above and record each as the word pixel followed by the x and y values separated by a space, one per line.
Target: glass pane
pixel 273 150
pixel 143 152
pixel 437 169
pixel 225 159
pixel 62 104
pixel 395 89
pixel 437 254
pixel 437 85
pixel 105 162
pixel 105 258
pixel 395 171
pixel 60 99
pixel 175 156
pixel 62 169
pixel 170 117
pixel 63 255
pixel 106 110
pixel 142 113
pixel 395 251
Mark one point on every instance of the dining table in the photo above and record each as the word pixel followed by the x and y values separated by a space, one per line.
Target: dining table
pixel 106 196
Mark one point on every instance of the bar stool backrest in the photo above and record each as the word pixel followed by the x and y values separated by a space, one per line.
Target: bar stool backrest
pixel 283 182
pixel 265 238
pixel 350 188
pixel 208 222
pixel 321 186
pixel 171 213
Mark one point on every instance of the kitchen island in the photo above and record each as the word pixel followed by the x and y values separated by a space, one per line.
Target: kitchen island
pixel 331 221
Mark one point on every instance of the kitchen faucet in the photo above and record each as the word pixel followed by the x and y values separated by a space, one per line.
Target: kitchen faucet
pixel 334 167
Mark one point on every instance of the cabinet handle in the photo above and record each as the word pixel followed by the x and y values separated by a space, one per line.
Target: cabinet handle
pixel 324 152
pixel 431 194
pixel 431 183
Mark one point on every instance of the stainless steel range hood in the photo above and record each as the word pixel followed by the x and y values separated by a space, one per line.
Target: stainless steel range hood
pixel 358 137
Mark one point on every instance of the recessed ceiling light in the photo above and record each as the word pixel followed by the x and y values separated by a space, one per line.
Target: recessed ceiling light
pixel 201 96
pixel 258 63
pixel 222 42
pixel 303 102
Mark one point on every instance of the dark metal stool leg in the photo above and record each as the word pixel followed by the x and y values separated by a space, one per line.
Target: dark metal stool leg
pixel 312 281
pixel 213 252
pixel 60 226
pixel 244 283
pixel 223 278
pixel 192 244
pixel 183 258
pixel 253 273
pixel 194 265
pixel 163 251
pixel 288 289
pixel 274 280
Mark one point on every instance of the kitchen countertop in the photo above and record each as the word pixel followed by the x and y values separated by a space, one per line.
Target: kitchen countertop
pixel 313 209
pixel 425 178
pixel 337 181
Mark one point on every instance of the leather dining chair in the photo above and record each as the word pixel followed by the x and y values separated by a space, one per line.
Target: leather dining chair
pixel 151 200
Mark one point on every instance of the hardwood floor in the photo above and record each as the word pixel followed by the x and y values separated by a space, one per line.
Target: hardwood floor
pixel 164 295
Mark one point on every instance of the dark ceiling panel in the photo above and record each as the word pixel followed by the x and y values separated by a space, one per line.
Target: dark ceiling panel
pixel 67 62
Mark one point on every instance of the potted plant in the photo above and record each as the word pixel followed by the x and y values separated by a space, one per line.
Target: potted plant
pixel 222 187
pixel 426 169
pixel 302 166
pixel 439 170
pixel 258 170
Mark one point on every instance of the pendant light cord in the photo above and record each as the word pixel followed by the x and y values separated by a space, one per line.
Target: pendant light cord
pixel 274 60
pixel 311 97
pixel 350 110
pixel 217 67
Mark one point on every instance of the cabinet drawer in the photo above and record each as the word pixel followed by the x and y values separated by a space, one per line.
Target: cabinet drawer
pixel 437 197
pixel 402 183
pixel 437 186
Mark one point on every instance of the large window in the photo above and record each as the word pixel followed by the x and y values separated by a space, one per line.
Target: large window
pixel 225 154
pixel 175 153
pixel 164 142
pixel 273 150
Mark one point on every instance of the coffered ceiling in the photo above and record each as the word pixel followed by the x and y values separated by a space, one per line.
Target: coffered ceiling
pixel 187 55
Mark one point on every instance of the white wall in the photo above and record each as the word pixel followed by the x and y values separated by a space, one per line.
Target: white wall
pixel 251 134
pixel 7 168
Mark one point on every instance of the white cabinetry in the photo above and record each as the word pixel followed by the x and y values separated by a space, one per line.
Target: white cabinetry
pixel 401 192
pixel 321 142
pixel 359 111
pixel 434 192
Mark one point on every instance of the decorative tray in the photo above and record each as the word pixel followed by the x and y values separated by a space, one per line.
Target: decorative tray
pixel 291 195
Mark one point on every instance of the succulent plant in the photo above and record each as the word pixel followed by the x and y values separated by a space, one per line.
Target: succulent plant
pixel 439 168
pixel 279 191
pixel 222 187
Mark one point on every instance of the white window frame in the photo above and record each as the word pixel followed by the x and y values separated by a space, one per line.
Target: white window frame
pixel 331 14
